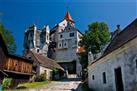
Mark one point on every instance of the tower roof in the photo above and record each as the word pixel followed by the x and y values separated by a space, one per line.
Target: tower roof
pixel 68 17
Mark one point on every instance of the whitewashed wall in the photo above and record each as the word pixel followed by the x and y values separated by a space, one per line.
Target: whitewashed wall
pixel 123 57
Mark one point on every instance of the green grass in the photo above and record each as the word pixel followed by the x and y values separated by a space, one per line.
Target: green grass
pixel 30 85
pixel 34 84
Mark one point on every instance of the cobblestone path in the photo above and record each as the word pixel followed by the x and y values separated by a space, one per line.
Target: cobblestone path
pixel 70 84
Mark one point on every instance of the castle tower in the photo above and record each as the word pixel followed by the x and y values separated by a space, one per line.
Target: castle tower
pixel 36 40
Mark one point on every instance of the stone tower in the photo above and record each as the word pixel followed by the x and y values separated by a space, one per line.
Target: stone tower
pixel 36 40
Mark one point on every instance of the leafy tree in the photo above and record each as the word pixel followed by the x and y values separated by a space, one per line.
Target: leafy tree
pixel 94 39
pixel 8 38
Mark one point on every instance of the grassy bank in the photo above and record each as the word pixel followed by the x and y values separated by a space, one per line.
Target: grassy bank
pixel 26 86
pixel 34 84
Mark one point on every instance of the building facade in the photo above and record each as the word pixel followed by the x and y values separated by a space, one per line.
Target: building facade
pixel 116 69
pixel 60 43
pixel 44 65
pixel 16 67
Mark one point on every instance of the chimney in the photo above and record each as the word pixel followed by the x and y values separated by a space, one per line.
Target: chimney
pixel 116 32
pixel 90 58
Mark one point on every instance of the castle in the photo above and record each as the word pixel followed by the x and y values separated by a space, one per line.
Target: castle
pixel 59 43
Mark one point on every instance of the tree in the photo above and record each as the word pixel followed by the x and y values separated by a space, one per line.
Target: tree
pixel 94 39
pixel 8 39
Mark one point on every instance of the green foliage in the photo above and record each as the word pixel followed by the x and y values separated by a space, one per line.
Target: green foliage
pixel 85 87
pixel 8 38
pixel 6 83
pixel 83 58
pixel 96 37
pixel 56 71
pixel 41 77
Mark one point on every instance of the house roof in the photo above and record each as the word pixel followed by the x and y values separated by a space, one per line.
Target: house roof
pixel 46 62
pixel 126 35
pixel 4 47
pixel 80 50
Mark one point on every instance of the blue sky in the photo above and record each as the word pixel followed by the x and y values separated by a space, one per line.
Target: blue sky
pixel 18 15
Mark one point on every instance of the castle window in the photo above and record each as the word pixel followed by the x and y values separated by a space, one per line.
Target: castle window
pixel 65 44
pixel 75 41
pixel 93 77
pixel 29 57
pixel 69 28
pixel 47 37
pixel 104 77
pixel 60 45
pixel 61 36
pixel 37 50
pixel 71 34
pixel 31 35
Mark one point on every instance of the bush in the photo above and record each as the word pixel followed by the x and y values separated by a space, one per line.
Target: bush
pixel 85 87
pixel 6 83
pixel 56 71
pixel 41 77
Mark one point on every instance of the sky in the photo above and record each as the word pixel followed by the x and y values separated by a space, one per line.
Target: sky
pixel 18 15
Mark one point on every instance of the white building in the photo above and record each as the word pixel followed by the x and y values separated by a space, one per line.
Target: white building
pixel 116 69
pixel 60 43
pixel 66 37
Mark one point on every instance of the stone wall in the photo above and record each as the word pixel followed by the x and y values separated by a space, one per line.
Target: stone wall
pixel 124 57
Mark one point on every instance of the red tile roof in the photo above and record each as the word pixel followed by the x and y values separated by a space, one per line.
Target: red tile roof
pixel 80 50
pixel 68 17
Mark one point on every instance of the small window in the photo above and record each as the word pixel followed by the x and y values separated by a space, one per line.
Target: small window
pixel 37 50
pixel 136 63
pixel 60 45
pixel 104 77
pixel 93 77
pixel 61 36
pixel 65 44
pixel 47 37
pixel 75 41
pixel 69 28
pixel 29 57
pixel 71 34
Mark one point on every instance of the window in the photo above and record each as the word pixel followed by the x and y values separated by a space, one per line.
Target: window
pixel 65 44
pixel 60 45
pixel 29 57
pixel 61 36
pixel 136 63
pixel 47 37
pixel 93 77
pixel 71 34
pixel 37 50
pixel 69 28
pixel 104 77
pixel 75 42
